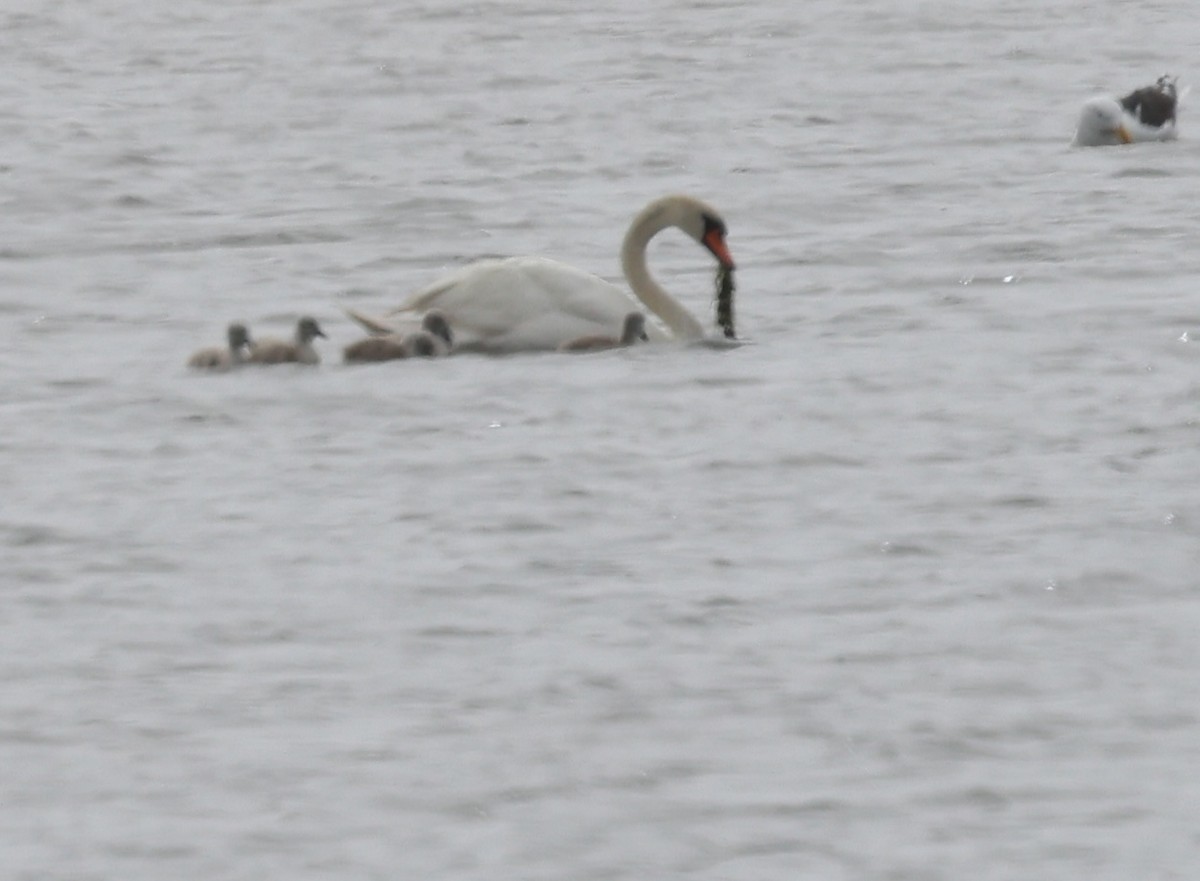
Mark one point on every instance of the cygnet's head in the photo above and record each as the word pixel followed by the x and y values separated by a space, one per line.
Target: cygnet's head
pixel 634 329
pixel 239 337
pixel 307 329
pixel 436 324
pixel 1101 123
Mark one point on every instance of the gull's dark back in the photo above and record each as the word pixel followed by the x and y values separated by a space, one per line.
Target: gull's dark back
pixel 1153 105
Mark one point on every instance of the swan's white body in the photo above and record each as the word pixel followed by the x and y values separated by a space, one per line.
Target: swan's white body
pixel 522 304
pixel 526 303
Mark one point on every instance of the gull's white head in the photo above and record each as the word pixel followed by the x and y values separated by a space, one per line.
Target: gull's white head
pixel 1102 122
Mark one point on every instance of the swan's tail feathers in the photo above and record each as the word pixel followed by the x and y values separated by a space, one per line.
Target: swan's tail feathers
pixel 373 325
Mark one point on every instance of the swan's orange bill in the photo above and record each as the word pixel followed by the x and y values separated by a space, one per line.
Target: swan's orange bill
pixel 715 242
pixel 1123 135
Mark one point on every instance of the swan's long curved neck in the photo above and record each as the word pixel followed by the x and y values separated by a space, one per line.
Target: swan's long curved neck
pixel 633 262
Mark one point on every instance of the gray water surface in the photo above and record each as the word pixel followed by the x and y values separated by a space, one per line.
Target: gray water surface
pixel 904 587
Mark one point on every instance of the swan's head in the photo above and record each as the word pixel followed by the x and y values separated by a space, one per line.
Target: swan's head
pixel 713 238
pixel 307 330
pixel 1102 122
pixel 706 226
pixel 698 219
pixel 239 337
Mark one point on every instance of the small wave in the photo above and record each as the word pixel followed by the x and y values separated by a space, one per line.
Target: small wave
pixel 1144 172
pixel 33 535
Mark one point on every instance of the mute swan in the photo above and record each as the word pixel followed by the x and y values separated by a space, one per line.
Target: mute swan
pixel 217 358
pixel 1146 114
pixel 536 304
pixel 300 350
pixel 432 340
pixel 632 330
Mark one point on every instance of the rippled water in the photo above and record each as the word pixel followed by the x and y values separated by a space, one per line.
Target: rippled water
pixel 904 587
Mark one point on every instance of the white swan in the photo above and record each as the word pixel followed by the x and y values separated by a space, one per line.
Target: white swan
pixel 522 304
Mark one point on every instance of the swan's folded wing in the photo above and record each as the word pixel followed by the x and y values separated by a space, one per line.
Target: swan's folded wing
pixel 426 298
pixel 516 284
pixel 380 327
pixel 523 304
